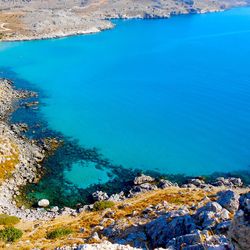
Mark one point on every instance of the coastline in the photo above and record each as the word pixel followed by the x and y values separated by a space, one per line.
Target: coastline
pixel 98 23
pixel 27 153
pixel 152 212
pixel 145 189
pixel 60 34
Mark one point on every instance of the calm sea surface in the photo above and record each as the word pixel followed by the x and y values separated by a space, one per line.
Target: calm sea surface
pixel 166 95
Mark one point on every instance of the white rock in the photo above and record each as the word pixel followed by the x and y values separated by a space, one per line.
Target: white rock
pixel 43 203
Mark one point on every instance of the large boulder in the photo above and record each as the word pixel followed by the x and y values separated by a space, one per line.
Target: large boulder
pixel 117 197
pixel 229 200
pixel 183 241
pixel 174 224
pixel 228 182
pixel 197 182
pixel 143 179
pixel 100 196
pixel 43 203
pixel 136 239
pixel 209 215
pixel 143 188
pixel 166 183
pixel 239 230
pixel 210 206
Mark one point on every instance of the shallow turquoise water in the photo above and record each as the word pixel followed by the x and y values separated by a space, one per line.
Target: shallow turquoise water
pixel 167 95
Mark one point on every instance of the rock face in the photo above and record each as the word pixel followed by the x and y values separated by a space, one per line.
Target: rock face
pixel 229 200
pixel 169 226
pixel 239 230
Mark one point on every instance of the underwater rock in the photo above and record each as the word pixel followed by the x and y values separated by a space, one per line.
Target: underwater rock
pixel 31 104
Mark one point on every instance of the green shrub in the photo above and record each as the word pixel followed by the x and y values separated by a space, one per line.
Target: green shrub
pixel 10 234
pixel 59 232
pixel 101 205
pixel 8 220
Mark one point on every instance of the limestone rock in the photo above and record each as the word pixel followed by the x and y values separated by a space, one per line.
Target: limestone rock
pixel 43 203
pixel 229 200
pixel 239 230
pixel 145 187
pixel 228 182
pixel 185 240
pixel 166 183
pixel 166 227
pixel 143 179
pixel 100 196
pixel 117 197
pixel 106 245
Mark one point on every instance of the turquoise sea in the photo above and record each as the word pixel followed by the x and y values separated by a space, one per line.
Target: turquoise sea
pixel 171 96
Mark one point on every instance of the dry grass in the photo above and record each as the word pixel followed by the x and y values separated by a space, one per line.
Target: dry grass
pixel 13 22
pixel 35 232
pixel 9 158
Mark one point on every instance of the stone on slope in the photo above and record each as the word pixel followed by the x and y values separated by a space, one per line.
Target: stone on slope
pixel 229 200
pixel 239 230
pixel 100 196
pixel 43 203
pixel 161 230
pixel 143 179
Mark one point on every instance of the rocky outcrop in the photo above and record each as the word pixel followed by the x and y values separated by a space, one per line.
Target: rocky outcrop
pixel 229 200
pixel 169 226
pixel 143 179
pixel 204 227
pixel 106 245
pixel 230 182
pixel 239 230
pixel 165 184
pixel 100 196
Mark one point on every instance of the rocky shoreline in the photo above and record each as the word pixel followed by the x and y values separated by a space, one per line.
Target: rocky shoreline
pixel 29 156
pixel 191 223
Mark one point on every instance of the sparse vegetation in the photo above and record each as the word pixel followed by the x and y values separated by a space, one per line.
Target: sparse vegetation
pixel 10 234
pixel 101 205
pixel 8 220
pixel 58 233
pixel 9 158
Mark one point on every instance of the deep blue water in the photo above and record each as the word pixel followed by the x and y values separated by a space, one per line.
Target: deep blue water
pixel 166 95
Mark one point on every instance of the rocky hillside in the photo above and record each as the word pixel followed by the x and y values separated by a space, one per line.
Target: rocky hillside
pixel 168 218
pixel 36 19
pixel 151 214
